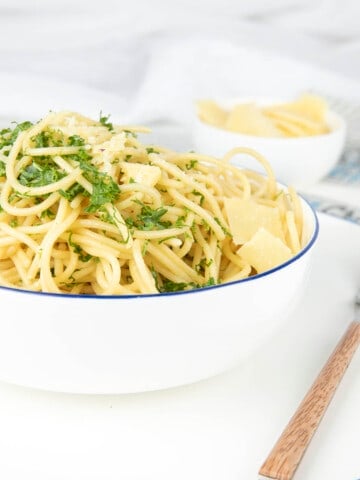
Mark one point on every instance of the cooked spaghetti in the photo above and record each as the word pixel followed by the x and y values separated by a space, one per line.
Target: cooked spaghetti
pixel 85 208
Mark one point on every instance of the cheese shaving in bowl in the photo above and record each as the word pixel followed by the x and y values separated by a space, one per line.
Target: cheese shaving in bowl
pixel 305 116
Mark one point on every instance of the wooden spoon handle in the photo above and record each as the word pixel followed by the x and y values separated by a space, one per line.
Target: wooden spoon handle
pixel 286 455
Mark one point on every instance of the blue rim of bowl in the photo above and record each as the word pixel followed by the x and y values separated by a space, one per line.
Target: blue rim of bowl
pixel 302 252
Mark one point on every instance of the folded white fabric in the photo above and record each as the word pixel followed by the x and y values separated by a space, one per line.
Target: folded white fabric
pixel 181 70
pixel 146 62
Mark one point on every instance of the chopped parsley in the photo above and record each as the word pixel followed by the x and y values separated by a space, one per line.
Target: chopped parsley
pixel 225 230
pixel 198 194
pixel 105 189
pixel 83 256
pixel 76 141
pixel 47 214
pixel 73 191
pixel 2 169
pixel 169 286
pixel 104 120
pixel 41 140
pixel 200 267
pixel 13 223
pixel 8 136
pixel 205 224
pixel 129 133
pixel 144 248
pixel 210 283
pixel 180 222
pixel 165 285
pixel 151 150
pixel 149 218
pixel 106 217
pixel 40 173
pixel 192 164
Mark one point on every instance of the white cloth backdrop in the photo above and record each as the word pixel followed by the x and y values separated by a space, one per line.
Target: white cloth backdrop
pixel 154 56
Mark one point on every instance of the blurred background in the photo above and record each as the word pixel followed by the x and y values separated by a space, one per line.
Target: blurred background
pixel 145 61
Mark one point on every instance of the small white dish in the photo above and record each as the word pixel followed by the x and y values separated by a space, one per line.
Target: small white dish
pixel 300 161
pixel 122 344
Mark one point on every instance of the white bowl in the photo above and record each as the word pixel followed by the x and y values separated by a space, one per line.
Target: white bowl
pixel 295 161
pixel 93 344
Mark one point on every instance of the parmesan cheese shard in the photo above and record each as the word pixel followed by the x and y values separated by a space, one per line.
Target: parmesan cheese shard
pixel 245 217
pixel 105 153
pixel 211 113
pixel 250 120
pixel 295 124
pixel 310 106
pixel 146 174
pixel 308 111
pixel 264 251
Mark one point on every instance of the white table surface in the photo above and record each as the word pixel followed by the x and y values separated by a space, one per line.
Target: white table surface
pixel 217 429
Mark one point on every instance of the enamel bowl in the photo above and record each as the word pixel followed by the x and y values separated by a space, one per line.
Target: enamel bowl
pixel 122 344
pixel 300 161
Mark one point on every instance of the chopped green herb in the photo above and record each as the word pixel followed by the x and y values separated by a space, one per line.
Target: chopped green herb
pixel 155 277
pixel 2 169
pixel 165 285
pixel 165 239
pixel 48 139
pixel 76 141
pixel 192 164
pixel 202 198
pixel 8 136
pixel 151 150
pixel 169 286
pixel 210 283
pixel 105 190
pixel 200 267
pixel 15 195
pixel 73 191
pixel 40 173
pixel 104 120
pixel 47 213
pixel 106 217
pixel 144 248
pixel 278 195
pixel 71 284
pixel 129 133
pixel 5 131
pixel 41 140
pixel 225 230
pixel 180 222
pixel 82 157
pixel 205 224
pixel 83 256
pixel 13 223
pixel 149 218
